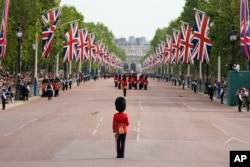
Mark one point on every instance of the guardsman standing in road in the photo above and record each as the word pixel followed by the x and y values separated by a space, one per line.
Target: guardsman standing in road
pixel 115 80
pixel 135 82
pixel 124 85
pixel 130 82
pixel 120 123
pixel 49 89
pixel 119 82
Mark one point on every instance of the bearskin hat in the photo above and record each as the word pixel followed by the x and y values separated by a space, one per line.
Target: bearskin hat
pixel 120 104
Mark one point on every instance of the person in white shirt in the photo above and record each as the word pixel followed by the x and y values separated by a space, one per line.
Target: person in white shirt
pixel 237 67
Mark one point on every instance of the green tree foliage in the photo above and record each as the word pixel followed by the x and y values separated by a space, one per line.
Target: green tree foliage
pixel 28 13
pixel 224 14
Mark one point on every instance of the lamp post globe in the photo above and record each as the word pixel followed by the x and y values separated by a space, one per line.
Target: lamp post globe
pixel 19 39
pixel 233 38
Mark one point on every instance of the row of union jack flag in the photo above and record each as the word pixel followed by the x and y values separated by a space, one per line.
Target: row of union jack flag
pixel 79 44
pixel 184 46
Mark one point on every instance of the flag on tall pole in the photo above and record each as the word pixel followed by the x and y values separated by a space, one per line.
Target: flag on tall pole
pixel 49 21
pixel 91 46
pixel 176 45
pixel 201 43
pixel 3 31
pixel 169 50
pixel 244 29
pixel 82 46
pixel 70 49
pixel 186 43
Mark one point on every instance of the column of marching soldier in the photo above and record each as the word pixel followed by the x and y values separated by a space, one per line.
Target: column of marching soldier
pixel 133 82
pixel 51 87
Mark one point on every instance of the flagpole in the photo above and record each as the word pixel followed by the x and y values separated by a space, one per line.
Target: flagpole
pixel 200 74
pixel 35 70
pixel 199 10
pixel 90 67
pixel 57 64
pixel 70 67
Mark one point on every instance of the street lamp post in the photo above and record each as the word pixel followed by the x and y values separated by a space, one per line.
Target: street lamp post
pixel 233 38
pixel 19 39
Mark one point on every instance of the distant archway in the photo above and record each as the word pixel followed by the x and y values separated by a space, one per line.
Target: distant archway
pixel 125 68
pixel 133 67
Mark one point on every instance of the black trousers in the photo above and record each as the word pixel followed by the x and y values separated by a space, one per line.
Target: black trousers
pixel 3 103
pixel 50 93
pixel 120 145
pixel 239 106
pixel 124 92
pixel 221 98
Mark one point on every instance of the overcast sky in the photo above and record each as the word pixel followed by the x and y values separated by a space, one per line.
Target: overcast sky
pixel 129 17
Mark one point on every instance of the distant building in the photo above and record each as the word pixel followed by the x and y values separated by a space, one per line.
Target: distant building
pixel 135 49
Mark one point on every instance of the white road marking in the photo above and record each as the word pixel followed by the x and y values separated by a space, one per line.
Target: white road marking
pixel 93 133
pixel 139 122
pixel 141 108
pixel 97 126
pixel 223 131
pixel 240 140
pixel 20 127
pixel 191 108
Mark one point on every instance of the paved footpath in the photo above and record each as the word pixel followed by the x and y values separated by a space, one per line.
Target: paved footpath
pixel 168 127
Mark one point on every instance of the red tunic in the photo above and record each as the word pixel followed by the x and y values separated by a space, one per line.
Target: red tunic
pixel 124 84
pixel 120 119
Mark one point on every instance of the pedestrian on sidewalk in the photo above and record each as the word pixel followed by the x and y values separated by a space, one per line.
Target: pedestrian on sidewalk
pixel 239 94
pixel 221 95
pixel 3 97
pixel 120 123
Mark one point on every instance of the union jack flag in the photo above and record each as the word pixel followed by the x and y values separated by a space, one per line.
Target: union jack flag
pixel 163 52
pixel 244 28
pixel 201 43
pixel 99 52
pixel 169 49
pixel 49 21
pixel 186 43
pixel 91 47
pixel 3 31
pixel 70 49
pixel 82 46
pixel 176 45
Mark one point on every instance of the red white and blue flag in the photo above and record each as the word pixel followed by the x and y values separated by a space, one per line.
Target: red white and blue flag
pixel 99 52
pixel 71 38
pixel 186 43
pixel 82 46
pixel 244 29
pixel 91 47
pixel 49 21
pixel 176 46
pixel 201 43
pixel 3 31
pixel 169 50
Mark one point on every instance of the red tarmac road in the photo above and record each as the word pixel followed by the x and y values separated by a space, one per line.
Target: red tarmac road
pixel 169 127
